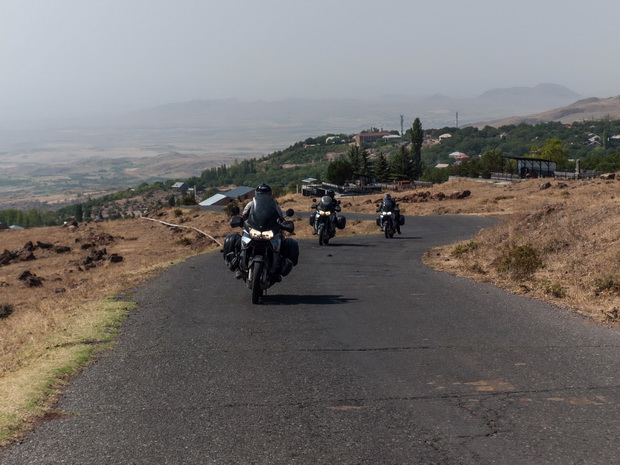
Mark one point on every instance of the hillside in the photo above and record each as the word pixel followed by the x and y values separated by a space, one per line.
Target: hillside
pixel 543 247
pixel 582 110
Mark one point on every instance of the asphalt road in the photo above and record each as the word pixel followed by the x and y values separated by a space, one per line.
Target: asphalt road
pixel 361 356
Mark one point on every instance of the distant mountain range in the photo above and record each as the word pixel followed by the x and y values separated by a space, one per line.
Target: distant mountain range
pixel 582 110
pixel 317 117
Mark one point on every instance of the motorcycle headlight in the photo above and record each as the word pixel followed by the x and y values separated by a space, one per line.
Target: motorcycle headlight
pixel 256 234
pixel 323 213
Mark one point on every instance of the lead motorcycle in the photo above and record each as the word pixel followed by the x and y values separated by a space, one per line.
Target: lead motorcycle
pixel 324 220
pixel 261 255
pixel 390 221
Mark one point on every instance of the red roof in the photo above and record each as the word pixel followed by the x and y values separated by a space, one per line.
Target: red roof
pixel 364 134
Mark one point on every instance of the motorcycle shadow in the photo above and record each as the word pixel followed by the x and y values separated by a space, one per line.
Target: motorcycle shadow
pixel 291 299
pixel 341 244
pixel 407 238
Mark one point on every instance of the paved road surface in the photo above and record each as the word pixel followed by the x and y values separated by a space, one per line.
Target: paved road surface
pixel 361 355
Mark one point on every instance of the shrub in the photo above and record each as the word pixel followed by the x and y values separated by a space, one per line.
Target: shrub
pixel 460 249
pixel 520 261
pixel 607 283
pixel 554 289
pixel 5 310
pixel 185 241
pixel 178 212
pixel 188 200
pixel 477 268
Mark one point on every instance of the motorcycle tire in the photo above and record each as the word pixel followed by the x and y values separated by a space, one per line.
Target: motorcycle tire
pixel 257 272
pixel 321 233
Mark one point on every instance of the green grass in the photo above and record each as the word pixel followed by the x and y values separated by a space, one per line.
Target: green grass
pixel 29 391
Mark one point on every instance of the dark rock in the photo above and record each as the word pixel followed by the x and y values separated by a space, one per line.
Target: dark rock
pixel 114 258
pixel 24 275
pixel 26 256
pixel 7 257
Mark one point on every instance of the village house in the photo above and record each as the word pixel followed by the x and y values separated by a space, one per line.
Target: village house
pixel 369 137
pixel 181 187
pixel 240 193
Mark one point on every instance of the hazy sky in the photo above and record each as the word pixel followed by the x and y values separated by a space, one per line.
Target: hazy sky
pixel 74 56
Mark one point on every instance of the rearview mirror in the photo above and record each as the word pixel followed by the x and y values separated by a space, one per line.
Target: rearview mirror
pixel 290 212
pixel 236 222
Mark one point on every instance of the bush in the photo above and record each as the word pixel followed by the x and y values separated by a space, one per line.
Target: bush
pixel 188 200
pixel 554 289
pixel 460 249
pixel 5 310
pixel 607 283
pixel 520 261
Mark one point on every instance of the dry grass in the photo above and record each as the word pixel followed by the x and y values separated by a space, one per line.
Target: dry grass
pixel 53 329
pixel 559 245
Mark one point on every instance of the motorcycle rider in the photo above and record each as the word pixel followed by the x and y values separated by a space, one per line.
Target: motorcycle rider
pixel 332 194
pixel 390 205
pixel 289 249
pixel 333 206
pixel 263 193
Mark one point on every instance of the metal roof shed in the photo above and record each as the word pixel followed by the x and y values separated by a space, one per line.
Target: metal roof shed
pixel 534 167
pixel 213 200
pixel 238 192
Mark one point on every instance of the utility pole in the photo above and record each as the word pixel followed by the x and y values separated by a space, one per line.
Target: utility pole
pixel 402 127
pixel 457 120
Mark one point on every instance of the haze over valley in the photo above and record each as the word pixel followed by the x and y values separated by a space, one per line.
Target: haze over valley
pixel 181 139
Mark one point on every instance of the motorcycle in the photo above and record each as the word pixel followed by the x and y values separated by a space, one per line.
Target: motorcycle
pixel 325 221
pixel 261 256
pixel 390 221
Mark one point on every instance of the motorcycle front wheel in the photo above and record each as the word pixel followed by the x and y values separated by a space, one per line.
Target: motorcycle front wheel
pixel 257 272
pixel 321 234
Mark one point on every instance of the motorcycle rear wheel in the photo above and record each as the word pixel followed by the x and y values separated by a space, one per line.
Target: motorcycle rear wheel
pixel 257 272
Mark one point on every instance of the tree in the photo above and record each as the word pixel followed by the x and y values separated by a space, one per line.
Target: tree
pixel 381 169
pixel 401 165
pixel 492 162
pixel 554 150
pixel 417 137
pixel 79 213
pixel 339 171
pixel 365 168
pixel 358 159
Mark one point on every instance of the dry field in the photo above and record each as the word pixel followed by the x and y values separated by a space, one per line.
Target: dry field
pixel 558 244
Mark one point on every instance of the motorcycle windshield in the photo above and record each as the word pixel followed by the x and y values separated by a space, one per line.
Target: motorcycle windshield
pixel 386 206
pixel 326 204
pixel 264 215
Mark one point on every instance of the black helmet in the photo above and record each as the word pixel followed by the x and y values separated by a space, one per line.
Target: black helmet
pixel 387 197
pixel 263 189
pixel 331 193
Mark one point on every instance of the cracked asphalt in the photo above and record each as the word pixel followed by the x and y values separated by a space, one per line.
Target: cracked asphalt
pixel 361 356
